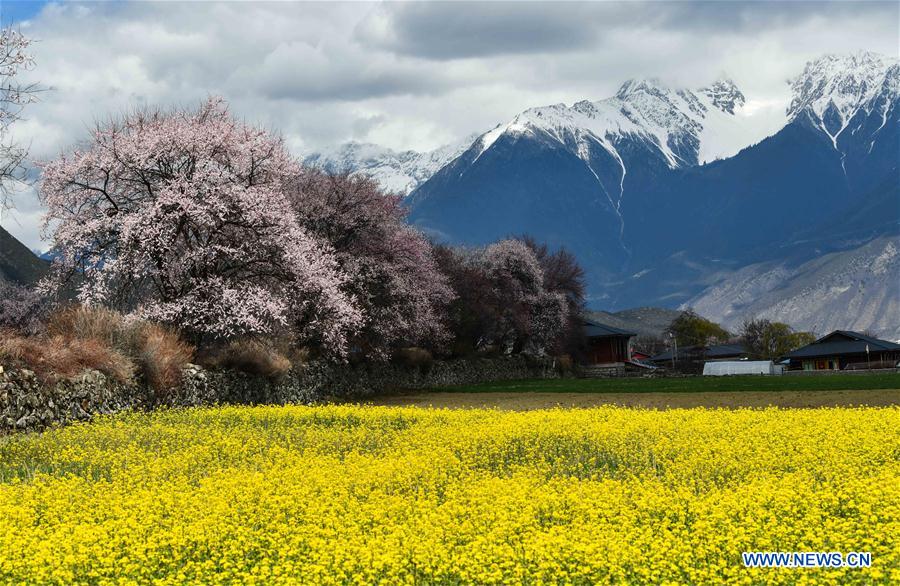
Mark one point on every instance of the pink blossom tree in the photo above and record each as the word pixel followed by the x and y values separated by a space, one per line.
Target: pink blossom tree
pixel 14 96
pixel 563 274
pixel 503 300
pixel 530 317
pixel 181 217
pixel 390 267
pixel 21 308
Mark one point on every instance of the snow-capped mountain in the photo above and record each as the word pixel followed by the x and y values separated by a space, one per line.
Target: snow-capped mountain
pixel 836 89
pixel 658 189
pixel 590 157
pixel 670 196
pixel 852 101
pixel 396 171
pixel 684 127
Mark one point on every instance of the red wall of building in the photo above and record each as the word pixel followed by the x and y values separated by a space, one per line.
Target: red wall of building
pixel 606 350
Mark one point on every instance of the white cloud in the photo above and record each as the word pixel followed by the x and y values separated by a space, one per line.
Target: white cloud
pixel 411 75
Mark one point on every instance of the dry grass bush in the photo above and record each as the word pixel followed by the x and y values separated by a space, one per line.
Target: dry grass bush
pixel 55 357
pixel 88 323
pixel 252 356
pixel 159 353
pixel 296 355
pixel 79 337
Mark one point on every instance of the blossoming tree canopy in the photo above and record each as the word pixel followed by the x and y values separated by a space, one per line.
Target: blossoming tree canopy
pixel 391 269
pixel 503 299
pixel 15 57
pixel 532 316
pixel 180 217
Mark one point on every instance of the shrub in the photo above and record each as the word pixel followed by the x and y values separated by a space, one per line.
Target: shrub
pixel 54 357
pixel 98 356
pixel 249 355
pixel 88 323
pixel 154 352
pixel 160 354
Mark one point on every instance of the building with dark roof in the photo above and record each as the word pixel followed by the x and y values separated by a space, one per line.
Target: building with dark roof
pixel 607 344
pixel 841 349
pixel 701 353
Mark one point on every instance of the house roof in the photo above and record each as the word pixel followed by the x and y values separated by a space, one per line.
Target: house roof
pixel 593 329
pixel 717 351
pixel 843 342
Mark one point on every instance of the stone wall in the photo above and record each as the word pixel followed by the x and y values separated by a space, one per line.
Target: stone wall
pixel 27 404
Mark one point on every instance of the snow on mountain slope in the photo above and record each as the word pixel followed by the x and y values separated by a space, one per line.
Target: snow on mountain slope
pixel 685 127
pixel 852 100
pixel 597 154
pixel 396 171
pixel 834 89
pixel 857 289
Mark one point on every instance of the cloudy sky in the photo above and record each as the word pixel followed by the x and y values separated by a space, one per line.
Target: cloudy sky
pixel 406 75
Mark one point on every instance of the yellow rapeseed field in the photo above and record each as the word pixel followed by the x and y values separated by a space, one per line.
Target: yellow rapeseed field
pixel 363 495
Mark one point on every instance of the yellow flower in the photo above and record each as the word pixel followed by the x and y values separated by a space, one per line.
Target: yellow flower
pixel 366 495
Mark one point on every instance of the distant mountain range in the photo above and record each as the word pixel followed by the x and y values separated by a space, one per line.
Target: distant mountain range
pixel 673 197
pixel 397 171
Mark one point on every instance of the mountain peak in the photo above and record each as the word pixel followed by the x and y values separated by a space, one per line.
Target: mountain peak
pixel 842 83
pixel 724 95
pixel 685 127
pixel 396 171
pixel 650 85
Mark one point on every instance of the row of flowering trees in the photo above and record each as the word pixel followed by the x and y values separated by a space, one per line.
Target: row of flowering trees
pixel 198 220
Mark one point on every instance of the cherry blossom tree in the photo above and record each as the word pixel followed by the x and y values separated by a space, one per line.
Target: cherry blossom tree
pixel 14 96
pixel 503 300
pixel 563 274
pixel 180 217
pixel 21 308
pixel 531 317
pixel 390 267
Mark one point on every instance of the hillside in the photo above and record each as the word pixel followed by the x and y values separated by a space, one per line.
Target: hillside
pixel 17 263
pixel 858 289
pixel 644 321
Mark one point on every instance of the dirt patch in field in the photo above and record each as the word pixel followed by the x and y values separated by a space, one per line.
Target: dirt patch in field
pixel 524 401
